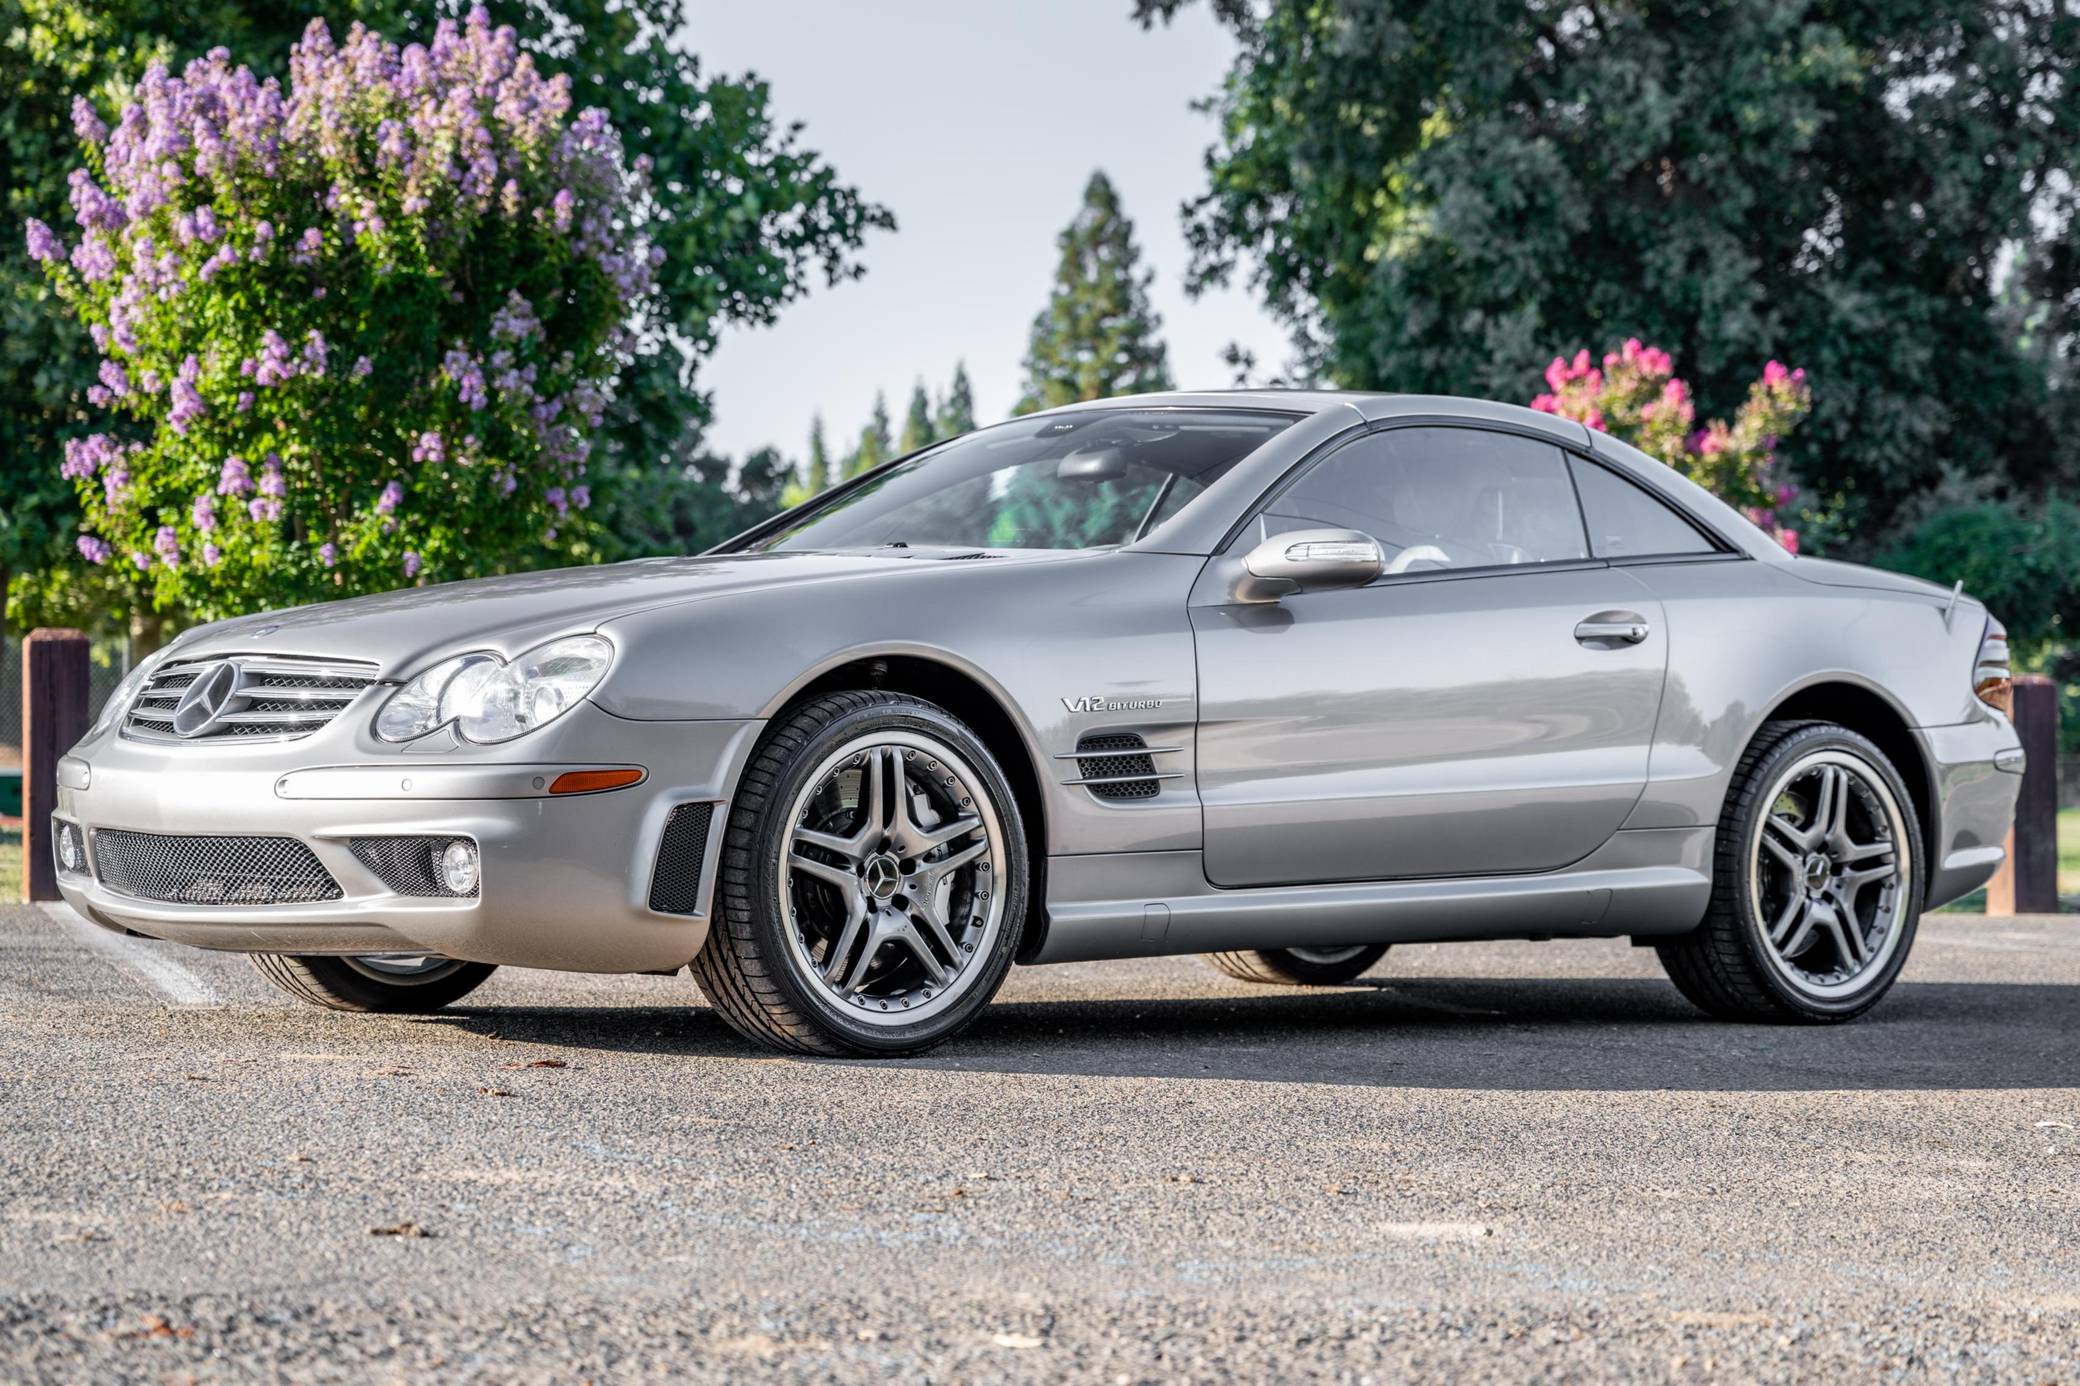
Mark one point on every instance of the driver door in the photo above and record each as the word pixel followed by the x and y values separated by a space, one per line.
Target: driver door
pixel 1470 712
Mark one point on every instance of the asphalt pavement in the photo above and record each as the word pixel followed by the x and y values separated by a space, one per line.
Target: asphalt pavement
pixel 1523 1162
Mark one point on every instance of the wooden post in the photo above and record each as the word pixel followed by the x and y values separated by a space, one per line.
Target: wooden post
pixel 2027 882
pixel 54 716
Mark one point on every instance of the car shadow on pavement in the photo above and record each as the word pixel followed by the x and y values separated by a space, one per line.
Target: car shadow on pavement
pixel 1472 1033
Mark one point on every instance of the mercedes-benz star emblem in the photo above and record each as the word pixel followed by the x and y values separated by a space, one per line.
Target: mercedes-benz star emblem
pixel 883 876
pixel 204 698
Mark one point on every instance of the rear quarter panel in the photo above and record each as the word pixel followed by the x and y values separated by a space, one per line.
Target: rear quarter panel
pixel 1744 636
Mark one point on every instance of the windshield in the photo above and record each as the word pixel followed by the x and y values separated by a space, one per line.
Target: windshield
pixel 1073 481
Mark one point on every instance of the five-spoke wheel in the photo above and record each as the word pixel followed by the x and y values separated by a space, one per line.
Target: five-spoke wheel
pixel 874 880
pixel 1817 883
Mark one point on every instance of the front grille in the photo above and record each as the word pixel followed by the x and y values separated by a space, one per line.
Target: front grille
pixel 211 870
pixel 675 882
pixel 281 697
pixel 1114 756
pixel 408 865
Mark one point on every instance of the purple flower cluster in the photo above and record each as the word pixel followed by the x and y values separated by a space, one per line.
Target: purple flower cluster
pixel 373 164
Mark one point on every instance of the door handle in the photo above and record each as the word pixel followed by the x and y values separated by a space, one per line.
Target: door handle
pixel 1612 628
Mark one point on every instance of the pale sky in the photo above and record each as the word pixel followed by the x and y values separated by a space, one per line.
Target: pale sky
pixel 977 122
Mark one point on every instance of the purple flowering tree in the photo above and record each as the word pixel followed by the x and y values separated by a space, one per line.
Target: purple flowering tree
pixel 354 332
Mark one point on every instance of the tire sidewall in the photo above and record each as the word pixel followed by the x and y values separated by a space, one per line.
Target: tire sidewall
pixel 1798 744
pixel 769 831
pixel 1316 974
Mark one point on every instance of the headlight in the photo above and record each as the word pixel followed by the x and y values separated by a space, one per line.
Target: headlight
pixel 489 699
pixel 125 693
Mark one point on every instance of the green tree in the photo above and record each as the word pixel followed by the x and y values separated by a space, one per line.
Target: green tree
pixel 693 503
pixel 321 372
pixel 818 473
pixel 1430 192
pixel 749 219
pixel 957 410
pixel 1098 336
pixel 919 430
pixel 875 446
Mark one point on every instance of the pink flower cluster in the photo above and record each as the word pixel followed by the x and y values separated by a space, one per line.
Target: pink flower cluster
pixel 1634 394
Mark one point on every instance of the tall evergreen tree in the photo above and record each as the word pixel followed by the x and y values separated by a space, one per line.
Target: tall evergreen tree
pixel 875 445
pixel 1098 336
pixel 818 473
pixel 957 410
pixel 918 429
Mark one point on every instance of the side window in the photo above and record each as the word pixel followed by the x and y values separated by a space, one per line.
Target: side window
pixel 1442 498
pixel 1625 521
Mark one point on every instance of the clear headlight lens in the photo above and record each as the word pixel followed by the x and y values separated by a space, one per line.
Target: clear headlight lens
pixel 489 699
pixel 125 693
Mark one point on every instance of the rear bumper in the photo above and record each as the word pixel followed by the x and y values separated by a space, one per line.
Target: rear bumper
pixel 565 879
pixel 1975 770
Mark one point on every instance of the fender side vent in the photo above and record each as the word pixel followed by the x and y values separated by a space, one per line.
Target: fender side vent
pixel 675 882
pixel 1117 765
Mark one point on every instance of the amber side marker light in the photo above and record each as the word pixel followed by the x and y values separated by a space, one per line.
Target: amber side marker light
pixel 1992 679
pixel 592 781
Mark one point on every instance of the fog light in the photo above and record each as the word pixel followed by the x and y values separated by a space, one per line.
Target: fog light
pixel 459 867
pixel 71 856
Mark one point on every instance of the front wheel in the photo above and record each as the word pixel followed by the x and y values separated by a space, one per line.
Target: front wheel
pixel 1301 967
pixel 394 982
pixel 873 883
pixel 1816 884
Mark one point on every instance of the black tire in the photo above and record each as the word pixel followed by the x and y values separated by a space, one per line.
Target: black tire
pixel 749 969
pixel 1289 968
pixel 338 985
pixel 1726 966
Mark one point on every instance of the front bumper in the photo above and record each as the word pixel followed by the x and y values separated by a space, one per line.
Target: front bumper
pixel 1976 773
pixel 565 880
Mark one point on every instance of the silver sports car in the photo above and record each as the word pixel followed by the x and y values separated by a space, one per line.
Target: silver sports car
pixel 1281 678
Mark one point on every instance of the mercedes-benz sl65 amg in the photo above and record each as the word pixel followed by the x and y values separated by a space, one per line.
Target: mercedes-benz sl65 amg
pixel 1280 678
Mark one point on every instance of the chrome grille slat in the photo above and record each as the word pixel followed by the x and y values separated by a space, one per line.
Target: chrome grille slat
pixel 271 696
pixel 210 869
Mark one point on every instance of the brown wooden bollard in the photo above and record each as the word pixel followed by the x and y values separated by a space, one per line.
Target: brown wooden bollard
pixel 2027 882
pixel 54 716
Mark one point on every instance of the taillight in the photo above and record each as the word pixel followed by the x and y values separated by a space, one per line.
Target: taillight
pixel 1991 677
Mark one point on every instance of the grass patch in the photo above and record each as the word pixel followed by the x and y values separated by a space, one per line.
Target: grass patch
pixel 10 865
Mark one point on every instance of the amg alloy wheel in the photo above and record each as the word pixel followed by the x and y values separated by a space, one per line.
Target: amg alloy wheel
pixel 1817 885
pixel 1318 967
pixel 873 883
pixel 403 983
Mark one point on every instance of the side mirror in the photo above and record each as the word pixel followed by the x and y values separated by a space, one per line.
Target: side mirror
pixel 1307 560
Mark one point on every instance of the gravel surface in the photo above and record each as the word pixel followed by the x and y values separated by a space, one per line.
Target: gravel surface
pixel 1521 1162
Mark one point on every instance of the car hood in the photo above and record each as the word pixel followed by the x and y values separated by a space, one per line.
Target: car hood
pixel 398 631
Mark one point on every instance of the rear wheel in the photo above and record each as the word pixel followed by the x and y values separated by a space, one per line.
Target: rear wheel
pixel 403 983
pixel 1300 966
pixel 1816 886
pixel 873 884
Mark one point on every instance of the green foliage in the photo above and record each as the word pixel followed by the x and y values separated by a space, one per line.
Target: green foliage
pixel 2021 559
pixel 875 445
pixel 919 431
pixel 692 505
pixel 957 410
pixel 1098 336
pixel 749 218
pixel 349 327
pixel 1431 191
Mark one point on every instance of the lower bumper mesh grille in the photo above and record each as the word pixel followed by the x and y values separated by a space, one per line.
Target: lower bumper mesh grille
pixel 211 870
pixel 675 883
pixel 408 864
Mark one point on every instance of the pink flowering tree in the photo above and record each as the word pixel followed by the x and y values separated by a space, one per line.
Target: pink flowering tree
pixel 1635 396
pixel 354 332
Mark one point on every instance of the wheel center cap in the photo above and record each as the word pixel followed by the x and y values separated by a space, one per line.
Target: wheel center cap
pixel 1818 870
pixel 881 875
